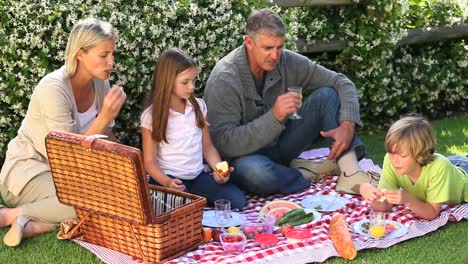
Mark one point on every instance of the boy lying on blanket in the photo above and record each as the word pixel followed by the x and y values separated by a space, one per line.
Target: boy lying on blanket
pixel 414 175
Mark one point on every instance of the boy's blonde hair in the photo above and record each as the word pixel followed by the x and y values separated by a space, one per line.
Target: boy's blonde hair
pixel 414 132
pixel 86 34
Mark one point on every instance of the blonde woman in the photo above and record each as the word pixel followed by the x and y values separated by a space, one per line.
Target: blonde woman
pixel 75 98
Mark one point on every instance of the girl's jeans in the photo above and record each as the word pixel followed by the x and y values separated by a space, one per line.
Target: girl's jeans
pixel 205 185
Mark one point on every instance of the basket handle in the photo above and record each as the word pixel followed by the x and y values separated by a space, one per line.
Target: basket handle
pixel 88 141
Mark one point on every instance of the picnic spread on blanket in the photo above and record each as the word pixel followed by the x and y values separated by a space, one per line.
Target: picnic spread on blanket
pixel 318 247
pixel 308 226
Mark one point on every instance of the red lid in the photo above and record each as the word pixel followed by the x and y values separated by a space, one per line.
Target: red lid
pixel 266 239
pixel 298 233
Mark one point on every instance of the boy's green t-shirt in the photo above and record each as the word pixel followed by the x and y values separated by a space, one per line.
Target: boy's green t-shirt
pixel 440 181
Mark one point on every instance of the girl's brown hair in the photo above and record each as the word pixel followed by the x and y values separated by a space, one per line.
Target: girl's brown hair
pixel 414 132
pixel 171 63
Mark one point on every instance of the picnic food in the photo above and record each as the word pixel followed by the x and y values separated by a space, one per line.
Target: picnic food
pixel 382 197
pixel 377 231
pixel 389 227
pixel 298 235
pixel 222 168
pixel 295 217
pixel 207 232
pixel 259 225
pixel 341 238
pixel 278 208
pixel 216 233
pixel 233 242
pixel 234 229
pixel 285 228
pixel 266 240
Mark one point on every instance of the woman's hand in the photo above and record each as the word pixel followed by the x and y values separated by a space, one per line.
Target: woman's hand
pixel 112 103
pixel 221 179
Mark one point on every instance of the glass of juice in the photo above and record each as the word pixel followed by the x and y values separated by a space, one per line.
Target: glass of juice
pixel 377 224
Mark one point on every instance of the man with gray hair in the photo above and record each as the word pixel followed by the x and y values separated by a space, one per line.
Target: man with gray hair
pixel 249 105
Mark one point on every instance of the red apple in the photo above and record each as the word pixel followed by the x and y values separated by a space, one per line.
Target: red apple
pixel 216 233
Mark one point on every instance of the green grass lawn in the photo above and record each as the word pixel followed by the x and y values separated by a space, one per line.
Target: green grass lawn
pixel 446 245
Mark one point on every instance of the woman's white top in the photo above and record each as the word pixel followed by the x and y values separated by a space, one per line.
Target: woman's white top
pixel 87 118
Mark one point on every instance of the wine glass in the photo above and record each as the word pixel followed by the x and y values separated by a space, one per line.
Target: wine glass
pixel 295 89
pixel 222 212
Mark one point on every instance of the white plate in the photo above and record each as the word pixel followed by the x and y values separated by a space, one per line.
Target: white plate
pixel 396 233
pixel 324 203
pixel 209 219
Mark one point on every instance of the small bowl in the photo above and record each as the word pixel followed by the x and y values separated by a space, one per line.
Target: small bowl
pixel 233 242
pixel 298 235
pixel 266 240
pixel 260 224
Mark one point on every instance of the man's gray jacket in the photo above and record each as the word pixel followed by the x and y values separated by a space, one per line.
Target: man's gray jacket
pixel 241 122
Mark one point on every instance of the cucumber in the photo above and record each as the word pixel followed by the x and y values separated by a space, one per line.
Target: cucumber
pixel 291 216
pixel 307 218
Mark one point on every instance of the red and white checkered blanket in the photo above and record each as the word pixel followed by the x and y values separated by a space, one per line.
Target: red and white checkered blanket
pixel 319 247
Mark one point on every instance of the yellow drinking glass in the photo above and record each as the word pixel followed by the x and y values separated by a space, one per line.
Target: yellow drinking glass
pixel 377 224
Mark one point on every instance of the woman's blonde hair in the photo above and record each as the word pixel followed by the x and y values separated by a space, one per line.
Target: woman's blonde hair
pixel 171 63
pixel 414 132
pixel 86 34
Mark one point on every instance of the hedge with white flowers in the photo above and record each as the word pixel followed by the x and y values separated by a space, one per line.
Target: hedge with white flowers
pixel 390 80
pixel 429 78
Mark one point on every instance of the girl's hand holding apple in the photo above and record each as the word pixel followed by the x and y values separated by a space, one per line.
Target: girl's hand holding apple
pixel 222 172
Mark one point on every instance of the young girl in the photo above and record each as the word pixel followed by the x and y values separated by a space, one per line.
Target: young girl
pixel 414 175
pixel 175 134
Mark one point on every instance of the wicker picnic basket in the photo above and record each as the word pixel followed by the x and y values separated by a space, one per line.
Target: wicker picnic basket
pixel 115 206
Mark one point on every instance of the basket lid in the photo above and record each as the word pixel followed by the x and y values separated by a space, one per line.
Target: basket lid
pixel 100 176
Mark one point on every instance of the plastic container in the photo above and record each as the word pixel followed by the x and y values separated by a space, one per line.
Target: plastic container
pixel 233 242
pixel 298 235
pixel 257 224
pixel 266 240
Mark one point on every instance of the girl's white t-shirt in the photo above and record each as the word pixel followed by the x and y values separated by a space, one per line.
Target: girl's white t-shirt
pixel 182 156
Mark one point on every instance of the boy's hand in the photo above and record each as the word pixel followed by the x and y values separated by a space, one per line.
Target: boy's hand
pixel 398 196
pixel 370 193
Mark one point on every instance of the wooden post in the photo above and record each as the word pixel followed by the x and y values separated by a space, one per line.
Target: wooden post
pixel 415 36
pixel 304 3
